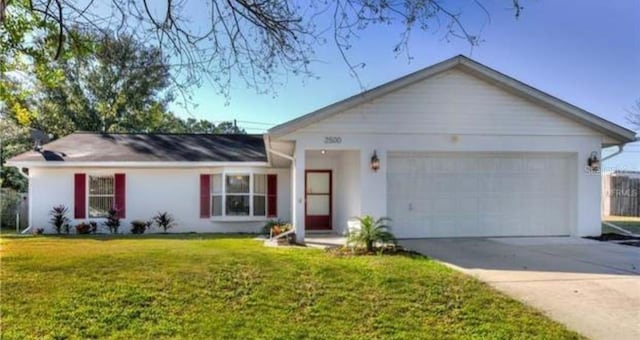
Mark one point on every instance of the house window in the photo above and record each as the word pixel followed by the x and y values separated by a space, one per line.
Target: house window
pixel 101 195
pixel 217 195
pixel 238 194
pixel 259 195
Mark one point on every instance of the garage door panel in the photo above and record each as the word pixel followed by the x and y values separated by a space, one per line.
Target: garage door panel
pixel 442 206
pixel 466 205
pixel 479 194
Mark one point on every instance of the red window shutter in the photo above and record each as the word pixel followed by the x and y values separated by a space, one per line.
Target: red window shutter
pixel 272 195
pixel 205 196
pixel 120 203
pixel 79 196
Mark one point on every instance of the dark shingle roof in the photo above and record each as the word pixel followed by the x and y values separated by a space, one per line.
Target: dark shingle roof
pixel 92 147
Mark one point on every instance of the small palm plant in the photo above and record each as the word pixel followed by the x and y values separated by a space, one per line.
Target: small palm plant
pixel 164 220
pixel 59 218
pixel 371 231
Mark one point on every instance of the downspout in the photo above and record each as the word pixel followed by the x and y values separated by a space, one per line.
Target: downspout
pixel 620 149
pixel 21 171
pixel 25 175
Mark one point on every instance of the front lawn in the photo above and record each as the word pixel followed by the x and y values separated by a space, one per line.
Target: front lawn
pixel 631 224
pixel 195 286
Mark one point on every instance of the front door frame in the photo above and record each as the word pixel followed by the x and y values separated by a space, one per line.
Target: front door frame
pixel 309 218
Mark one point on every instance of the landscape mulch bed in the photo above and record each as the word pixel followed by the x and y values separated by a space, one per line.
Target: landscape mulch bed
pixel 626 240
pixel 388 250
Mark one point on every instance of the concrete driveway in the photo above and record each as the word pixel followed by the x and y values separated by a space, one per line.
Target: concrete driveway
pixel 592 287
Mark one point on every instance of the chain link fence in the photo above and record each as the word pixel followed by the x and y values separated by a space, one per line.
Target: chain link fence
pixel 13 210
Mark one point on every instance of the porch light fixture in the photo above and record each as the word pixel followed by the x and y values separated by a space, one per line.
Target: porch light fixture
pixel 593 162
pixel 375 161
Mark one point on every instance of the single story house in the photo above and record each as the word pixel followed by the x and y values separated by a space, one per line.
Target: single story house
pixel 454 150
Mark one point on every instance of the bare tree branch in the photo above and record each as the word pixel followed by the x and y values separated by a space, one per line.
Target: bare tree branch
pixel 252 41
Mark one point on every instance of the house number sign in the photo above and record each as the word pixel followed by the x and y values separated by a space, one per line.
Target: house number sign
pixel 332 140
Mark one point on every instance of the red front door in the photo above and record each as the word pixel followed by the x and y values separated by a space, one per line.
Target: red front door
pixel 318 200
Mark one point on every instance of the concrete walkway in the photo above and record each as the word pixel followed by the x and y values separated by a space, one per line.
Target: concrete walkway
pixel 592 287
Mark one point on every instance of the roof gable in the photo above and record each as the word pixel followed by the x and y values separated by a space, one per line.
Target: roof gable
pixel 613 131
pixel 452 102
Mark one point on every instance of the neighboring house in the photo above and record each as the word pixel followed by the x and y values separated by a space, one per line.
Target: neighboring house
pixel 459 150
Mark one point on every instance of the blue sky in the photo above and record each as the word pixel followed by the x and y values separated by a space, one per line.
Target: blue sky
pixel 584 52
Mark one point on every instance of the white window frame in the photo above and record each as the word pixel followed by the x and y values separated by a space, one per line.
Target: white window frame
pixel 238 172
pixel 254 194
pixel 250 193
pixel 89 195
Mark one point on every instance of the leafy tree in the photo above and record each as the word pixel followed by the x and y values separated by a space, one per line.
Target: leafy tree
pixel 191 125
pixel 14 139
pixel 122 86
pixel 255 40
pixel 116 84
pixel 229 127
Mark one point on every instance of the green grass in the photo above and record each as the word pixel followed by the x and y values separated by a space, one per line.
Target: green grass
pixel 195 286
pixel 631 224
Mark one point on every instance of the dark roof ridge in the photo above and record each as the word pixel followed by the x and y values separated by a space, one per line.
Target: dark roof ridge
pixel 165 133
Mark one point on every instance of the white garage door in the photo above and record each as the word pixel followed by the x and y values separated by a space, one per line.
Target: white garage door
pixel 479 194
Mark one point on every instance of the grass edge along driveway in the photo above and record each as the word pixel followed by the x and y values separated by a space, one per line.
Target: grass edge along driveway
pixel 631 224
pixel 208 286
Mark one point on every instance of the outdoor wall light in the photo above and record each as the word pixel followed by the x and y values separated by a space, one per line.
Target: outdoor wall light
pixel 375 161
pixel 593 162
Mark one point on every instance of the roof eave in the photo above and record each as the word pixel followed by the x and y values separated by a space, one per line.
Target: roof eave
pixel 149 164
pixel 569 110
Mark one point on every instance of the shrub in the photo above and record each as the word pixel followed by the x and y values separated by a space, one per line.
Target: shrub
pixel 164 220
pixel 113 221
pixel 371 231
pixel 94 226
pixel 270 224
pixel 59 218
pixel 139 226
pixel 83 228
pixel 40 231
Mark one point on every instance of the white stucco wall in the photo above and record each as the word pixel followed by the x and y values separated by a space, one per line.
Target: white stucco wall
pixel 348 179
pixel 373 193
pixel 147 192
pixel 452 112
